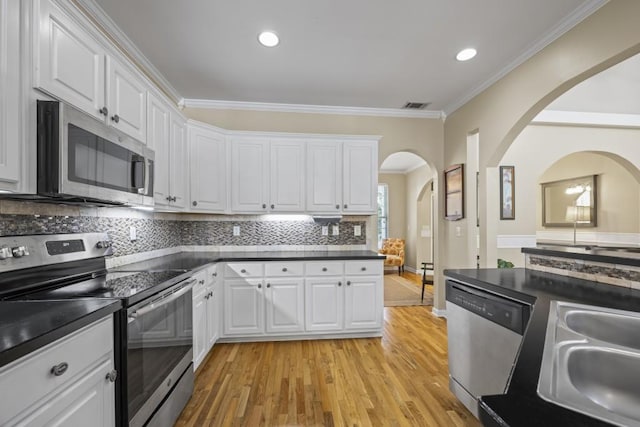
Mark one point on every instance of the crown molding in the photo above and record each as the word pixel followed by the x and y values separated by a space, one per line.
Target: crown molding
pixel 311 109
pixel 565 25
pixel 555 117
pixel 124 43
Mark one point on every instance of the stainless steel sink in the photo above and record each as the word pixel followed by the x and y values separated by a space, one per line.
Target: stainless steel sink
pixel 591 362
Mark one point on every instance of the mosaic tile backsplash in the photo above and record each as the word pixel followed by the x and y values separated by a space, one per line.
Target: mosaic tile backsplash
pixel 153 233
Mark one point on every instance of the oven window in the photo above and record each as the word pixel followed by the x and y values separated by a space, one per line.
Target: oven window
pixel 96 161
pixel 158 341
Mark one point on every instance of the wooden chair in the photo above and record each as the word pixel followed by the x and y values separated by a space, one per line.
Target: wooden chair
pixel 393 249
pixel 426 280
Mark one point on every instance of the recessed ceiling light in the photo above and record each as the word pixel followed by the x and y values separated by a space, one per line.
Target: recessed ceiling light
pixel 466 54
pixel 268 39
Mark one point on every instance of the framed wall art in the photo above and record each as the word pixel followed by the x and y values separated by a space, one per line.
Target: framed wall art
pixel 507 192
pixel 454 192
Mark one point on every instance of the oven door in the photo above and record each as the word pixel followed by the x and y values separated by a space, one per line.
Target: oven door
pixel 159 348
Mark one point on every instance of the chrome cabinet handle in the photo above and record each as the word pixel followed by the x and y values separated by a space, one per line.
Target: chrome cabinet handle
pixel 284 269
pixel 273 206
pixel 345 206
pixel 268 285
pixel 168 198
pixel 264 206
pixel 194 203
pixel 104 111
pixel 173 199
pixel 115 118
pixel 348 283
pixel 214 274
pixel 339 283
pixel 243 271
pixel 364 269
pixel 60 369
pixel 201 282
pixel 337 206
pixel 211 294
pixel 259 286
pixel 324 268
pixel 112 376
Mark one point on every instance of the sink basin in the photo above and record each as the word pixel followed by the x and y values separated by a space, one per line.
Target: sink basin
pixel 613 328
pixel 591 362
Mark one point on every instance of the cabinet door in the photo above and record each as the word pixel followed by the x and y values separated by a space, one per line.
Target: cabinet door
pixel 324 304
pixel 249 175
pixel 243 307
pixel 285 305
pixel 70 63
pixel 158 141
pixel 213 316
pixel 127 101
pixel 360 176
pixel 363 302
pixel 324 177
pixel 208 170
pixel 178 161
pixel 286 192
pixel 88 401
pixel 10 117
pixel 199 328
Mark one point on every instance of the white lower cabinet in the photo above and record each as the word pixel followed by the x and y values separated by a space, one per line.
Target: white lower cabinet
pixel 206 314
pixel 305 299
pixel 82 393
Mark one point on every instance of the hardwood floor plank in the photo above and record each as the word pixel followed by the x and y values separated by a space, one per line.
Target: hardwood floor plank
pixel 400 379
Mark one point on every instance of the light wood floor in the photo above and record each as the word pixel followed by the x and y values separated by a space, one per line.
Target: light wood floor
pixel 398 380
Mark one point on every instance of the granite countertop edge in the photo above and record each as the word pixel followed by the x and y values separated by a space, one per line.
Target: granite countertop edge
pixel 521 405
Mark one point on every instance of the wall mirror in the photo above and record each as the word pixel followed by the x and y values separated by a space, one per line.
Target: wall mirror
pixel 570 202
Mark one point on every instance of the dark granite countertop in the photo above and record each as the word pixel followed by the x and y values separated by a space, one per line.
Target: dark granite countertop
pixel 521 406
pixel 195 260
pixel 26 326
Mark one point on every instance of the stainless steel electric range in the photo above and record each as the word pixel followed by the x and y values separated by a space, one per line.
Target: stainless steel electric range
pixel 153 330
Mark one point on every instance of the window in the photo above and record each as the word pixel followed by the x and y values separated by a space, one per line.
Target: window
pixel 383 213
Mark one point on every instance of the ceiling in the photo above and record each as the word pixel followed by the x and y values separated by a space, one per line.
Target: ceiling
pixel 356 53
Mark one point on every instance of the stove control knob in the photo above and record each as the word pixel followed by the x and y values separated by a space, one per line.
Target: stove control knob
pixel 104 244
pixel 5 253
pixel 19 251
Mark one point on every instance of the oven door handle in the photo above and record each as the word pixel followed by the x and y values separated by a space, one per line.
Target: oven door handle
pixel 162 301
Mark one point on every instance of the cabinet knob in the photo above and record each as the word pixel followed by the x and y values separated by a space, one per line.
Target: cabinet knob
pixel 348 282
pixel 339 283
pixel 104 111
pixel 364 269
pixel 259 286
pixel 243 271
pixel 273 206
pixel 345 206
pixel 112 376
pixel 324 268
pixel 174 198
pixel 60 369
pixel 168 198
pixel 206 296
pixel 115 118
pixel 264 206
pixel 268 285
pixel 211 294
pixel 201 282
pixel 337 206
pixel 214 274
pixel 194 203
pixel 284 269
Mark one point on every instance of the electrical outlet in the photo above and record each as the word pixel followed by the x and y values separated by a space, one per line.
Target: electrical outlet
pixel 336 230
pixel 236 230
pixel 357 230
pixel 325 230
pixel 132 234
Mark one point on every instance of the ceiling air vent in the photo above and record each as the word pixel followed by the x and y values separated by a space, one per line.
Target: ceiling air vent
pixel 416 105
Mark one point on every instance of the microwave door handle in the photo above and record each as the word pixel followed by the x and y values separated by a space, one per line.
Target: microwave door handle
pixel 162 301
pixel 138 172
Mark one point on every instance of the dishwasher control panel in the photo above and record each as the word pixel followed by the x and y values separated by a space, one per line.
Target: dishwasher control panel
pixel 505 312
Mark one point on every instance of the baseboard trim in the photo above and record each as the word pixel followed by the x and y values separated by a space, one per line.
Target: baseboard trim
pixel 439 313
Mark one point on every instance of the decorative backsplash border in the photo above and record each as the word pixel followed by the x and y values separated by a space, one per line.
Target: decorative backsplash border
pixel 611 274
pixel 161 231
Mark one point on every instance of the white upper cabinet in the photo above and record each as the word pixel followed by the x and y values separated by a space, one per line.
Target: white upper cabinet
pixel 324 176
pixel 286 193
pixel 249 174
pixel 360 176
pixel 71 65
pixel 158 141
pixel 178 160
pixel 127 101
pixel 208 169
pixel 10 117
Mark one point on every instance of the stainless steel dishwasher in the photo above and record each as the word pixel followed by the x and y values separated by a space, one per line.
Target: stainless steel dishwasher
pixel 484 333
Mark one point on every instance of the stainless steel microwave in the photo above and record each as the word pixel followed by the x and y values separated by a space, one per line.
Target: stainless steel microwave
pixel 81 159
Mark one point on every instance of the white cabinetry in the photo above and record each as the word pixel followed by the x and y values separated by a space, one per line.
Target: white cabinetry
pixel 10 105
pixel 284 294
pixel 324 304
pixel 267 176
pixel 342 177
pixel 207 169
pixel 82 393
pixel 73 66
pixel 177 160
pixel 243 307
pixel 206 313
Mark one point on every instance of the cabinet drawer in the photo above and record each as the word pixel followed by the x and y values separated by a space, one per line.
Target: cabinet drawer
pixel 324 268
pixel 235 270
pixel 30 378
pixel 284 269
pixel 371 268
